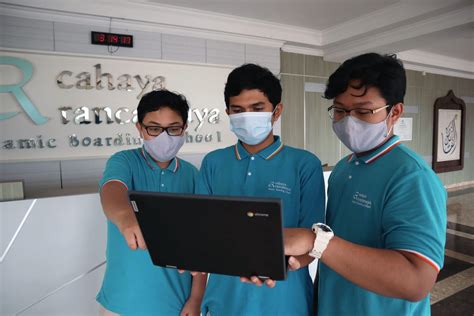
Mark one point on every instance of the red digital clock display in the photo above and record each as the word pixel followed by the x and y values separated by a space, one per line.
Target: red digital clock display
pixel 111 39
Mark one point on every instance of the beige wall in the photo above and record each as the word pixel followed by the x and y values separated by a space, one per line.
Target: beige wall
pixel 305 123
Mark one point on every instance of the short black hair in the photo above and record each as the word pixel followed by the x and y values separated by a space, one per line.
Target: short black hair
pixel 157 99
pixel 249 77
pixel 384 72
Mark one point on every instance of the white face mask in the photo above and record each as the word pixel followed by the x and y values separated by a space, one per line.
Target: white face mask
pixel 360 136
pixel 163 147
pixel 251 127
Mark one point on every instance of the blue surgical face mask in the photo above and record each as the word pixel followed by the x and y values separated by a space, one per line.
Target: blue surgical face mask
pixel 163 147
pixel 251 127
pixel 360 136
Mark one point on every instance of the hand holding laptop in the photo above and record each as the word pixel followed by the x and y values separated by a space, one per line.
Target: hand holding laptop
pixel 298 242
pixel 193 273
pixel 133 235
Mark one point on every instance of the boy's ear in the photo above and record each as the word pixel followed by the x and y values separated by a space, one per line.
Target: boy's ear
pixel 139 128
pixel 397 111
pixel 278 112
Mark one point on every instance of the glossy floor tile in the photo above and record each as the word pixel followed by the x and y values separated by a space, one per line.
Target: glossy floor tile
pixel 462 303
pixel 453 293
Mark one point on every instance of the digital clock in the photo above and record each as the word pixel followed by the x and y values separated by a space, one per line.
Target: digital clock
pixel 111 39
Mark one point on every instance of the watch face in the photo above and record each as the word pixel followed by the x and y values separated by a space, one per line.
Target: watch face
pixel 325 228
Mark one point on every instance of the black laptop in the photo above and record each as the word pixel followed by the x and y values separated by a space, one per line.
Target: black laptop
pixel 218 234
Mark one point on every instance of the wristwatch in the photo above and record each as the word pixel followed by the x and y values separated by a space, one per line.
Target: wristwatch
pixel 324 234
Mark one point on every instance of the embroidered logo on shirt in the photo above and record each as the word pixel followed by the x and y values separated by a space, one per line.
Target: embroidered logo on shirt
pixel 279 187
pixel 361 200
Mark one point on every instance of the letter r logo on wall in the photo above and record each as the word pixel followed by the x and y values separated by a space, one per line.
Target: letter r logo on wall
pixel 27 70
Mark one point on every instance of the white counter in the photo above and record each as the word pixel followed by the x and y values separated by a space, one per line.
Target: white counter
pixel 52 266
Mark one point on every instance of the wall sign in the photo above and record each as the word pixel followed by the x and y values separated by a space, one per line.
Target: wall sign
pixel 448 138
pixel 404 128
pixel 61 106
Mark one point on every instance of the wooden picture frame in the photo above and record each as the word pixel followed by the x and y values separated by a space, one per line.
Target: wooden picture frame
pixel 448 133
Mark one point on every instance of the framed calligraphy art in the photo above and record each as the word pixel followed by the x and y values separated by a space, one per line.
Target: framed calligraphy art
pixel 448 133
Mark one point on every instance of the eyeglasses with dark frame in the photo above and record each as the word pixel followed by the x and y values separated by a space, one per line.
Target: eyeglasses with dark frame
pixel 337 113
pixel 154 130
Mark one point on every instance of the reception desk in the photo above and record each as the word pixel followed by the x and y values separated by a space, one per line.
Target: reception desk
pixel 53 255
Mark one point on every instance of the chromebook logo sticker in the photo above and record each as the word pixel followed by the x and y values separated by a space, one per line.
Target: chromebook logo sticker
pixel 256 214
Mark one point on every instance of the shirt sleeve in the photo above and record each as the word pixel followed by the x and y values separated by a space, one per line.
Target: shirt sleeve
pixel 414 217
pixel 204 178
pixel 313 195
pixel 117 169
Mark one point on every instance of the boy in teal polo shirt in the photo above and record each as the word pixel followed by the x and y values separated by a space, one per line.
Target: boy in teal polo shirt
pixel 132 284
pixel 260 165
pixel 386 207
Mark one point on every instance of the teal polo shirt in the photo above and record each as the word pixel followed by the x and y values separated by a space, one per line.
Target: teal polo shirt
pixel 388 199
pixel 293 175
pixel 132 285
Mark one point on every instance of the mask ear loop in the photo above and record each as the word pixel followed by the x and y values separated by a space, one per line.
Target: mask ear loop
pixel 274 110
pixel 273 113
pixel 390 130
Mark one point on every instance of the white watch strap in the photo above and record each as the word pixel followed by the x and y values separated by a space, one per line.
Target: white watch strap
pixel 323 235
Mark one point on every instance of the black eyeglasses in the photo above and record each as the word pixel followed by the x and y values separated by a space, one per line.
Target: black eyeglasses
pixel 337 113
pixel 170 130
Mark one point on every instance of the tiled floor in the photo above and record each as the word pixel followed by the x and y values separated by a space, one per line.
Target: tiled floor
pixel 453 293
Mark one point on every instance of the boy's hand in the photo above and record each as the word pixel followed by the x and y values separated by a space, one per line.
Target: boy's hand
pixel 256 281
pixel 298 241
pixel 191 308
pixel 193 273
pixel 133 235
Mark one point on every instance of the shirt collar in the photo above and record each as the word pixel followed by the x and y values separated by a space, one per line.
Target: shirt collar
pixel 379 152
pixel 173 166
pixel 266 153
